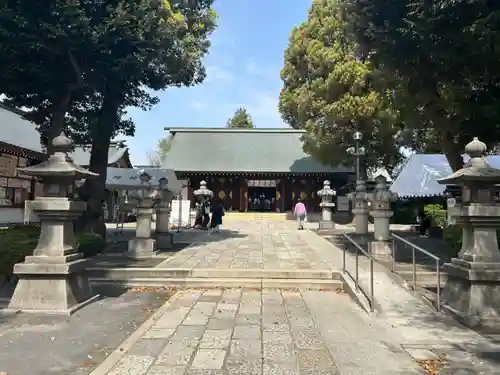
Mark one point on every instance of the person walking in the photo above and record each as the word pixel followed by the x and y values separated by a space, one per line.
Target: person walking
pixel 217 214
pixel 300 213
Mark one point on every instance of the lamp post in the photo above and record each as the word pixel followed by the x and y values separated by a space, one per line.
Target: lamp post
pixel 357 151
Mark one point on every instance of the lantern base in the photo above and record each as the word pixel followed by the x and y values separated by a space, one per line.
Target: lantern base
pixel 471 293
pixel 142 248
pixel 51 288
pixel 326 225
pixel 164 240
pixel 381 250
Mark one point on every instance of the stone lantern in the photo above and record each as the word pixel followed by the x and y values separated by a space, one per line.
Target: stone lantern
pixel 203 194
pixel 361 207
pixel 163 236
pixel 326 194
pixel 53 279
pixel 143 245
pixel 472 289
pixel 381 213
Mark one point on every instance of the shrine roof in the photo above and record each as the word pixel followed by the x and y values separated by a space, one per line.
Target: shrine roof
pixel 419 176
pixel 242 151
pixel 19 132
pixel 117 150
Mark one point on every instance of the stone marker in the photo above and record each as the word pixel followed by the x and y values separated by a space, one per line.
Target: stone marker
pixel 326 194
pixel 472 289
pixel 144 245
pixel 381 213
pixel 360 200
pixel 163 236
pixel 53 279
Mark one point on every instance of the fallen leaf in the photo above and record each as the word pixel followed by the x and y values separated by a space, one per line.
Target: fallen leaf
pixel 85 364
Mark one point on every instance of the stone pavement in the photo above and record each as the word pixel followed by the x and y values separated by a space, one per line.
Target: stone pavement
pixel 257 244
pixel 251 332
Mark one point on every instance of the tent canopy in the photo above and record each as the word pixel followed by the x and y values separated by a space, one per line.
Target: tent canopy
pixel 419 176
pixel 128 178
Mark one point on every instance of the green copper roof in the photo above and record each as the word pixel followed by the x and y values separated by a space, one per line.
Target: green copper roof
pixel 241 150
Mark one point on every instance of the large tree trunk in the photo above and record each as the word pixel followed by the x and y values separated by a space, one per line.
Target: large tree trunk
pixel 93 191
pixel 452 151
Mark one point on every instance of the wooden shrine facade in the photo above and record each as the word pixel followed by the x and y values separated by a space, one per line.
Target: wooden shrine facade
pixel 237 191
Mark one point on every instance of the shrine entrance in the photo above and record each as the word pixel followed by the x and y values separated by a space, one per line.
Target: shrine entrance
pixel 262 195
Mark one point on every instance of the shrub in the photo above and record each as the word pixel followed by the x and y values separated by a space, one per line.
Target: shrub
pixel 16 242
pixel 437 214
pixel 90 244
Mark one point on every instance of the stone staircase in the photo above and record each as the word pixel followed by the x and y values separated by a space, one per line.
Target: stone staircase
pixel 215 278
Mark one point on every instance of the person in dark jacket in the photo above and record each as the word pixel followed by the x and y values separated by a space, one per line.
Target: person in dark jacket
pixel 217 214
pixel 423 220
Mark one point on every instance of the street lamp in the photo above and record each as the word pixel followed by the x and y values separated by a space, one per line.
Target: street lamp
pixel 357 151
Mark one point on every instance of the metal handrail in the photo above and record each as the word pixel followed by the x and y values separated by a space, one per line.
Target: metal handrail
pixel 414 265
pixel 356 271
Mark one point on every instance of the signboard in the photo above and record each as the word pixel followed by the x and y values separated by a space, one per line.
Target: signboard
pixel 8 165
pixel 182 208
pixel 342 203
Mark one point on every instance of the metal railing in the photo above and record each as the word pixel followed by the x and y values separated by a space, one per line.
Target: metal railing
pixel 357 286
pixel 414 249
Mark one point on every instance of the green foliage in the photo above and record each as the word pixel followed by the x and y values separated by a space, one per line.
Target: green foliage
pixel 332 91
pixel 90 244
pixel 241 119
pixel 442 56
pixel 16 242
pixel 437 214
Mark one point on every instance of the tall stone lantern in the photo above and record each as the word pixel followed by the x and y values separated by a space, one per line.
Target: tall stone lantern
pixel 144 245
pixel 361 207
pixel 381 213
pixel 472 289
pixel 326 194
pixel 203 194
pixel 53 279
pixel 163 236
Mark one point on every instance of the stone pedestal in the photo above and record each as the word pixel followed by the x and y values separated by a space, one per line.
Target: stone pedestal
pixel 361 220
pixel 143 245
pixel 359 199
pixel 53 280
pixel 326 194
pixel 164 238
pixel 472 289
pixel 381 213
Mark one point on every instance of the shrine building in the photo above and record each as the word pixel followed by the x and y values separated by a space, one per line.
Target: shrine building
pixel 240 165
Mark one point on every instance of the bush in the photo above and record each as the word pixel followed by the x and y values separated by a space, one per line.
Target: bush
pixel 16 242
pixel 90 244
pixel 437 214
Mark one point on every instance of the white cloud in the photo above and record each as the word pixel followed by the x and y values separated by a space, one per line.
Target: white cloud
pixel 217 74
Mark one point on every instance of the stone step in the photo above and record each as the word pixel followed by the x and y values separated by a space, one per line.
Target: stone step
pixel 213 273
pixel 425 279
pixel 192 282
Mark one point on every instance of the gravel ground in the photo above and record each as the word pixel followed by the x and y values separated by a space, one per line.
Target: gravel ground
pixel 43 345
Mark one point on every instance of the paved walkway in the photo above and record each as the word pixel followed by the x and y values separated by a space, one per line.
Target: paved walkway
pixel 291 332
pixel 258 244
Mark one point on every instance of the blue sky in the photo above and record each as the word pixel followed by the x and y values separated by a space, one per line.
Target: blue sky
pixel 243 69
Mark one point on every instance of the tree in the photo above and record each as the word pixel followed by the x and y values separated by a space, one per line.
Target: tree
pixel 126 47
pixel 331 92
pixel 444 56
pixel 240 120
pixel 162 148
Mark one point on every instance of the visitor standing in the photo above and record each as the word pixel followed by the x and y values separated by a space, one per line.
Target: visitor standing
pixel 217 214
pixel 300 213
